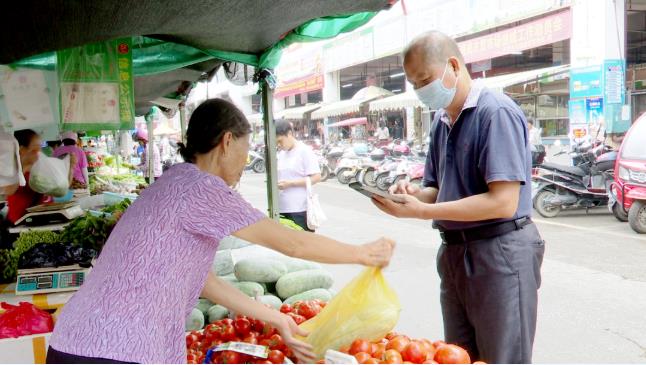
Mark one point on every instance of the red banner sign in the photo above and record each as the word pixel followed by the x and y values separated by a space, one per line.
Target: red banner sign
pixel 304 85
pixel 547 30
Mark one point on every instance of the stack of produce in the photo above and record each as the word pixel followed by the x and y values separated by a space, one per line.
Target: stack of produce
pixel 401 349
pixel 246 330
pixel 275 281
pixel 87 231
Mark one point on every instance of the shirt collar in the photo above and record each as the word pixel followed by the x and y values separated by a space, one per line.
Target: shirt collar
pixel 470 102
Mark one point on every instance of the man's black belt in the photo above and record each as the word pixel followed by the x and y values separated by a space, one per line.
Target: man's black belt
pixel 457 237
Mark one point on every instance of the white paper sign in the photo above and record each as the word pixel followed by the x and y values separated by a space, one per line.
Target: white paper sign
pixel 27 98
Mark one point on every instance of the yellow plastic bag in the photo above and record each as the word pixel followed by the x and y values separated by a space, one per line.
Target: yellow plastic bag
pixel 366 308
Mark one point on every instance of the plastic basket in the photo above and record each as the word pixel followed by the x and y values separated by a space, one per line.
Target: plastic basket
pixel 114 198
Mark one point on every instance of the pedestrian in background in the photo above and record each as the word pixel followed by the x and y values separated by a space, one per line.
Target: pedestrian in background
pixel 79 170
pixel 296 163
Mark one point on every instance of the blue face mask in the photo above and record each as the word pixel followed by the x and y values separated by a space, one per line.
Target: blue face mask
pixel 435 95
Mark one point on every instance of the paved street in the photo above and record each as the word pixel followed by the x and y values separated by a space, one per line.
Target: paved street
pixel 592 300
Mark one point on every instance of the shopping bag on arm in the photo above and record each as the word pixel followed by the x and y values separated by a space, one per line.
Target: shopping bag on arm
pixel 315 214
pixel 366 308
pixel 50 175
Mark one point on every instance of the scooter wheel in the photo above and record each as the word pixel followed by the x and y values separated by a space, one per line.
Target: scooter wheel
pixel 382 181
pixel 619 212
pixel 369 178
pixel 637 217
pixel 325 174
pixel 344 176
pixel 542 205
pixel 259 167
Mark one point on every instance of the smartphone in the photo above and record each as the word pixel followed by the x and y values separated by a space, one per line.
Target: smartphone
pixel 370 191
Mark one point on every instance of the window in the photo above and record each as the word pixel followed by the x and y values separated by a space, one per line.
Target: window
pixel 634 146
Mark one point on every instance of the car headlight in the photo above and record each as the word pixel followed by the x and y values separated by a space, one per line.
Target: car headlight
pixel 624 174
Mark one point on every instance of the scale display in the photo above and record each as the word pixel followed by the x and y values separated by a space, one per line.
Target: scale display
pixel 49 282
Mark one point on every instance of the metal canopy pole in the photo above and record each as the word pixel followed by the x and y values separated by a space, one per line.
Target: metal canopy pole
pixel 149 148
pixel 182 120
pixel 270 149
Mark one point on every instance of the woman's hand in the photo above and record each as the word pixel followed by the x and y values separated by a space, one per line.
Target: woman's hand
pixel 288 329
pixel 377 253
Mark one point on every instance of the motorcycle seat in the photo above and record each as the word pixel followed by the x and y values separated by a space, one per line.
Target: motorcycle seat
pixel 573 170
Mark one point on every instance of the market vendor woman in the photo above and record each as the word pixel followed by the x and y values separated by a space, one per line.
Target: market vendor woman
pixel 157 261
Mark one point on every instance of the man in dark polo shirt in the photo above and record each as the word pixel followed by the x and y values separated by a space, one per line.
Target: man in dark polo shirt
pixel 477 191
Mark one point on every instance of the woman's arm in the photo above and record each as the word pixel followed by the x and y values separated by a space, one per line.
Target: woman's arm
pixel 315 178
pixel 314 247
pixel 219 291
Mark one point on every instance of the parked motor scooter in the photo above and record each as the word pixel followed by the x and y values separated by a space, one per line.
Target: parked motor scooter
pixel 582 186
pixel 256 162
pixel 628 192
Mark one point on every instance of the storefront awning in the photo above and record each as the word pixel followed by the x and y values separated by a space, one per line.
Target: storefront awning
pixel 399 101
pixel 350 122
pixel 503 81
pixel 353 105
pixel 255 119
pixel 296 113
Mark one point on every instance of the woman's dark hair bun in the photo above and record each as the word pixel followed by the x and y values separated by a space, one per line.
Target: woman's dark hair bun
pixel 208 124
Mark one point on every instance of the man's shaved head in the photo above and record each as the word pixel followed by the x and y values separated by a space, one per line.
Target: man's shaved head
pixel 433 48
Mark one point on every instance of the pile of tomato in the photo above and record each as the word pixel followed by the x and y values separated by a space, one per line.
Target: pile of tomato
pixel 400 349
pixel 303 310
pixel 248 330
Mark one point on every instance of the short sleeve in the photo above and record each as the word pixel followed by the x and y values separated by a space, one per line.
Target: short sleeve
pixel 430 176
pixel 503 155
pixel 310 162
pixel 214 210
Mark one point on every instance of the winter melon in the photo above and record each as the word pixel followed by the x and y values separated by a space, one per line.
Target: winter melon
pixel 272 300
pixel 259 270
pixel 322 294
pixel 217 312
pixel 294 264
pixel 302 281
pixel 203 305
pixel 250 288
pixel 195 320
pixel 223 263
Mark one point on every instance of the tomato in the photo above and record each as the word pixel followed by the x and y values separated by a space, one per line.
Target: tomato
pixel 320 362
pixel 344 349
pixel 276 357
pixel 268 331
pixel 429 361
pixel 227 357
pixel 439 343
pixel 393 357
pixel 276 343
pixel 371 360
pixel 228 333
pixel 378 350
pixel 306 310
pixel 191 357
pixel 242 326
pixel 257 325
pixel 479 362
pixel 360 345
pixel 398 344
pixel 362 357
pixel 191 339
pixel 451 354
pixel 391 335
pixel 415 352
pixel 286 308
pixel 261 361
pixel 250 338
pixel 297 318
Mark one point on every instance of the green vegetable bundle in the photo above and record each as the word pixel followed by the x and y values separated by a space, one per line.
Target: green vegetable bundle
pixel 88 231
pixel 26 241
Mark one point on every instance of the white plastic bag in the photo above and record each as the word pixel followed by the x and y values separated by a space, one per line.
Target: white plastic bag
pixel 50 176
pixel 315 214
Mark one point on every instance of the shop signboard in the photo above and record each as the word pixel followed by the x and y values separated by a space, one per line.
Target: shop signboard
pixel 614 81
pixel 300 71
pixel 594 110
pixel 28 100
pixel 578 119
pixel 353 49
pixel 96 86
pixel 586 82
pixel 547 30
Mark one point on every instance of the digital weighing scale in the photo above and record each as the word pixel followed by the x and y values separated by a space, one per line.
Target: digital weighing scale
pixel 50 214
pixel 50 280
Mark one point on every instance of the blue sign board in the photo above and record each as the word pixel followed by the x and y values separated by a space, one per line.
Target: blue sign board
pixel 614 78
pixel 594 110
pixel 586 82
